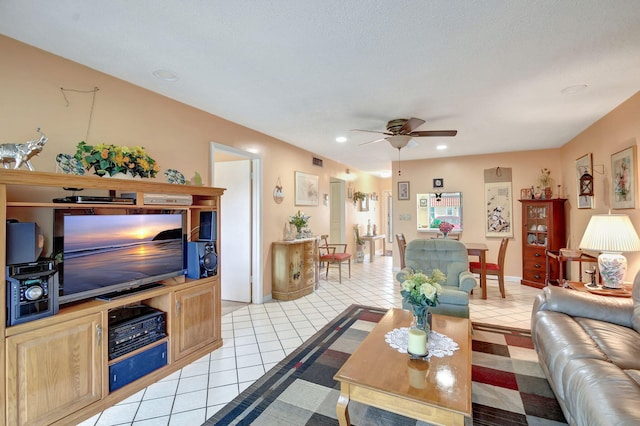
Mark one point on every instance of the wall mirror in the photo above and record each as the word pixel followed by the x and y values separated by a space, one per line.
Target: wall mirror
pixel 436 207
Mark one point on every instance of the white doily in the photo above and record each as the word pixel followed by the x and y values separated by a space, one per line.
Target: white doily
pixel 438 344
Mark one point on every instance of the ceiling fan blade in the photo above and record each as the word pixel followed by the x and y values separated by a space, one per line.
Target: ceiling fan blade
pixel 372 131
pixel 412 123
pixel 434 133
pixel 367 143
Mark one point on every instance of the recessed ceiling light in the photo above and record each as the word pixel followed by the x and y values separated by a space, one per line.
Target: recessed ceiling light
pixel 341 139
pixel 165 75
pixel 570 90
pixel 384 173
pixel 441 147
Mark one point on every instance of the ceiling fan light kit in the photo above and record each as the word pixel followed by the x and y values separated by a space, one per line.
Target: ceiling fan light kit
pixel 401 130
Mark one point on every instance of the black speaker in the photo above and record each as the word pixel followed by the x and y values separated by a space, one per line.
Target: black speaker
pixel 202 259
pixel 208 226
pixel 32 291
pixel 24 242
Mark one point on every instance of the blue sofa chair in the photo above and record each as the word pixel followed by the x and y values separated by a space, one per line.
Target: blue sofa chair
pixel 450 257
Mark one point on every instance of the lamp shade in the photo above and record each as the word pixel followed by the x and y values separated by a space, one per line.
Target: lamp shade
pixel 610 232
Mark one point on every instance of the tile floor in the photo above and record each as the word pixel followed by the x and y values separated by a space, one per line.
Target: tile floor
pixel 257 337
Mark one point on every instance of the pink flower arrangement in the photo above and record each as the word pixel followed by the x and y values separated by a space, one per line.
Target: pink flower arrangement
pixel 446 227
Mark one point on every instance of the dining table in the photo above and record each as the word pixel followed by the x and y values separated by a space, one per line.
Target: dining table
pixel 480 250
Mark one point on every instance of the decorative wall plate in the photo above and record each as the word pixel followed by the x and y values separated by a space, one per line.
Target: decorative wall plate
pixel 174 176
pixel 69 165
pixel 278 192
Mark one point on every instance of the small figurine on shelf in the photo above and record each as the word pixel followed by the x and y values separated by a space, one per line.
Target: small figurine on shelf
pixel 21 153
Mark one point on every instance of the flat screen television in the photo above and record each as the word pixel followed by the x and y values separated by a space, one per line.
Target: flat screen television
pixel 106 251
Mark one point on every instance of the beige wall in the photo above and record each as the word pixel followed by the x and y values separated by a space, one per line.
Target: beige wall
pixel 466 175
pixel 614 132
pixel 178 136
pixel 617 130
pixel 174 134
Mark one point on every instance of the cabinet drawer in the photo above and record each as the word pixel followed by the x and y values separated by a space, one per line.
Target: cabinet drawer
pixel 535 276
pixel 535 265
pixel 534 254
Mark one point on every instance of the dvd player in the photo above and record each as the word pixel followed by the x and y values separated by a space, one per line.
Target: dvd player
pixel 92 199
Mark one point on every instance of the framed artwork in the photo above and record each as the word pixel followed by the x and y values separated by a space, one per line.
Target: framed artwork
pixel 438 183
pixel 584 164
pixel 364 203
pixel 623 178
pixel 403 190
pixel 306 189
pixel 499 211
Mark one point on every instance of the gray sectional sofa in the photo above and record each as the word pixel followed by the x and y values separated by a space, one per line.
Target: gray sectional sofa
pixel 589 349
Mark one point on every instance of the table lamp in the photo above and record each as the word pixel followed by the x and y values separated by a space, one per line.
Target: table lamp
pixel 611 234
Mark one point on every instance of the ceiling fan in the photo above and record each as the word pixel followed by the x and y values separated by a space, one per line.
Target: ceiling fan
pixel 401 130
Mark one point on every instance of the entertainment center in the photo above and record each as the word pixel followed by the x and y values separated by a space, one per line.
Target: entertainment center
pixel 85 352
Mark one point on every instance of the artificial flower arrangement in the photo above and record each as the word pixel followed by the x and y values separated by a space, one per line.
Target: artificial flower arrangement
pixel 299 220
pixel 107 159
pixel 421 290
pixel 446 227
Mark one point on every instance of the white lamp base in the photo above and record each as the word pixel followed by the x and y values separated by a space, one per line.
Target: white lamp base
pixel 612 266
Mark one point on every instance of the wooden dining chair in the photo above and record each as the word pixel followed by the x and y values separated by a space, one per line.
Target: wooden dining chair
pixel 494 268
pixel 402 245
pixel 332 254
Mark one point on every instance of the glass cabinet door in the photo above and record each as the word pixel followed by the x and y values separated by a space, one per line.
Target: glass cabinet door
pixel 537 224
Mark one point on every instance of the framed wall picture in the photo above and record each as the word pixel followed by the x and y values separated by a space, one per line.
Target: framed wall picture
pixel 499 212
pixel 584 164
pixel 403 190
pixel 438 183
pixel 306 189
pixel 364 203
pixel 623 178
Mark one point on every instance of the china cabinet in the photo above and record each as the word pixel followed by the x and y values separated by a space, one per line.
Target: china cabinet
pixel 543 228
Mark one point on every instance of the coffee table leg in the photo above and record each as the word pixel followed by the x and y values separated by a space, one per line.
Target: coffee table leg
pixel 342 407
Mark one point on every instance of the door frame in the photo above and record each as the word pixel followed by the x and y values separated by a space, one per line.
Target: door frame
pixel 257 281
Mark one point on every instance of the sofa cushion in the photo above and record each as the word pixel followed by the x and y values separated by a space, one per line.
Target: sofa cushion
pixel 600 393
pixel 635 318
pixel 619 344
pixel 560 339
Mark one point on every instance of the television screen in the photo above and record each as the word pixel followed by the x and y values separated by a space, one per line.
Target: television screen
pixel 104 252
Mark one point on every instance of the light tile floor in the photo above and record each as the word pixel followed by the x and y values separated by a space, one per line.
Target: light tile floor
pixel 257 337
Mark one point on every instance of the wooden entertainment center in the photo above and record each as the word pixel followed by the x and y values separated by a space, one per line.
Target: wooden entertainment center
pixel 55 369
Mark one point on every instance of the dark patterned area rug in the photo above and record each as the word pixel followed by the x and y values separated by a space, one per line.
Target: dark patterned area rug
pixel 509 388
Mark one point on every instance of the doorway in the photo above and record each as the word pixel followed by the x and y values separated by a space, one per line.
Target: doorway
pixel 337 219
pixel 240 172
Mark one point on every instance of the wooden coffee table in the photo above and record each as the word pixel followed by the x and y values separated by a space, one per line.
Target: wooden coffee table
pixel 437 391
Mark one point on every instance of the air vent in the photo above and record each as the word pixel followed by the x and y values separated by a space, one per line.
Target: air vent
pixel 317 162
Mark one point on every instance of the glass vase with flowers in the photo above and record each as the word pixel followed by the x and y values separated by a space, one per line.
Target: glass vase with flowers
pixel 445 228
pixel 421 291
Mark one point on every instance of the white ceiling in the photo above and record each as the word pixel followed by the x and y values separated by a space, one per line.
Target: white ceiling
pixel 308 71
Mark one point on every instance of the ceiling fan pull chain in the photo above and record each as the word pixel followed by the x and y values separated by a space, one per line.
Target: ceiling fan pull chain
pixel 399 172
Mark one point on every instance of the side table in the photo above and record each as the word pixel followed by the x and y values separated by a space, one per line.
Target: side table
pixel 580 286
pixel 558 257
